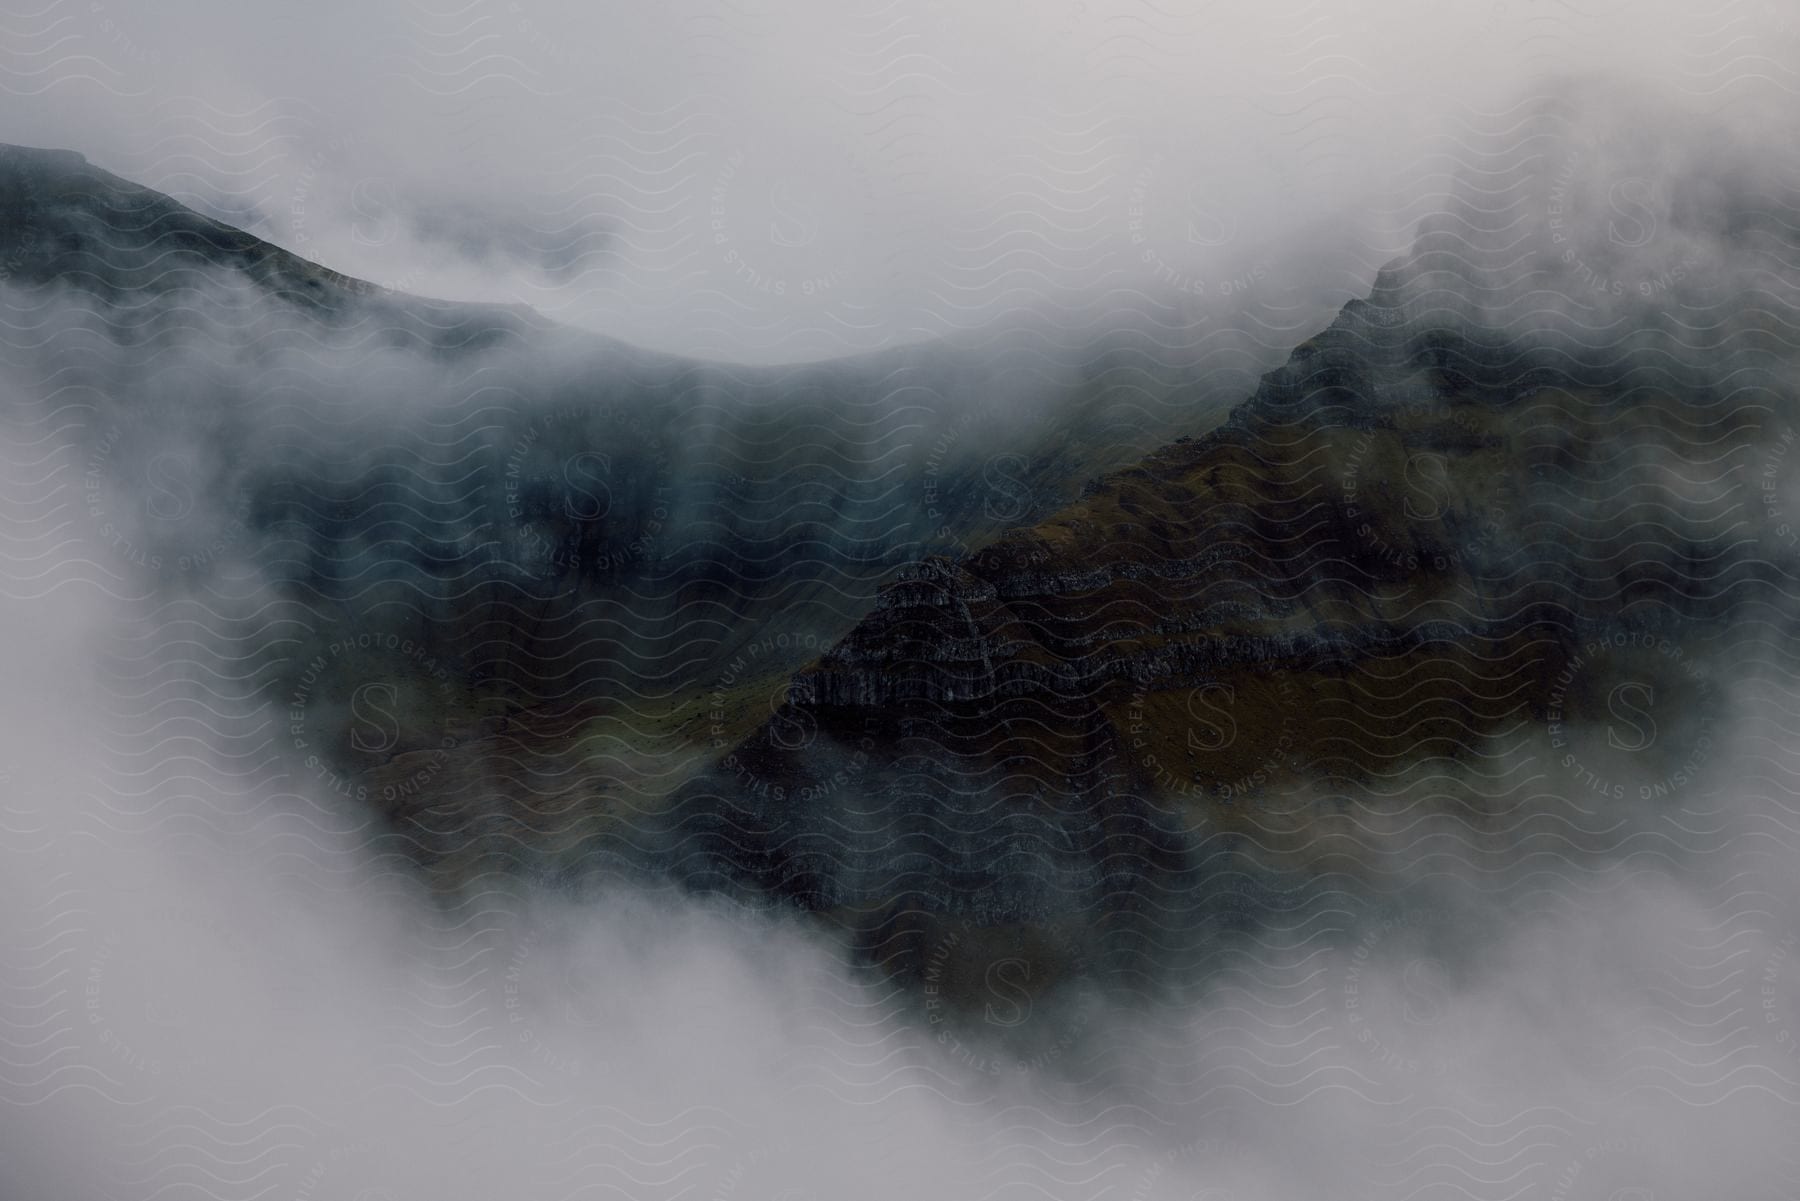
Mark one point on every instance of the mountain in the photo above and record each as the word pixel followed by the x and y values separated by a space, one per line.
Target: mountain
pixel 1466 585
pixel 1462 581
pixel 589 568
pixel 67 223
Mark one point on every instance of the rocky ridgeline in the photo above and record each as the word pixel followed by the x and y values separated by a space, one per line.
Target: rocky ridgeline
pixel 1434 545
pixel 606 558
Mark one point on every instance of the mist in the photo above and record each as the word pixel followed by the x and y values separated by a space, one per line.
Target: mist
pixel 777 185
pixel 214 987
pixel 260 943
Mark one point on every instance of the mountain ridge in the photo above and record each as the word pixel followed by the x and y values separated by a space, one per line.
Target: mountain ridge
pixel 423 486
pixel 1420 572
pixel 1114 722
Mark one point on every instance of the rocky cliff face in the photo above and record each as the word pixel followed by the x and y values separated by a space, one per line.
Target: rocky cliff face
pixel 1482 544
pixel 560 573
pixel 1467 570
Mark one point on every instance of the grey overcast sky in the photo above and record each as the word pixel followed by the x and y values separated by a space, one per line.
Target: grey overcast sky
pixel 779 181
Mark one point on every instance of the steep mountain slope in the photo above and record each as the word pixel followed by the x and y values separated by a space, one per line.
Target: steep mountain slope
pixel 544 604
pixel 508 583
pixel 1463 586
pixel 67 223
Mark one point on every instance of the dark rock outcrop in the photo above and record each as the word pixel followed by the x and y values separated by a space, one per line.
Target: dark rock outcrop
pixel 1449 543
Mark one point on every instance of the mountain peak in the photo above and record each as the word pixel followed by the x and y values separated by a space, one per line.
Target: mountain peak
pixel 66 223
